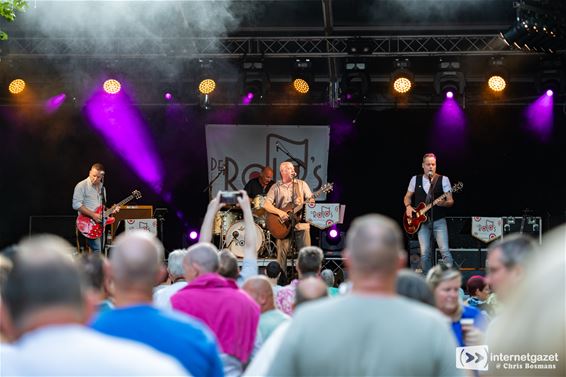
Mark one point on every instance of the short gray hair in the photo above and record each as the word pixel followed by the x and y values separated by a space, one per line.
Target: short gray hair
pixel 175 262
pixel 205 255
pixel 516 249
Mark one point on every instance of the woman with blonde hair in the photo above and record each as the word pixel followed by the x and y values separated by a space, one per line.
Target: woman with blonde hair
pixel 468 323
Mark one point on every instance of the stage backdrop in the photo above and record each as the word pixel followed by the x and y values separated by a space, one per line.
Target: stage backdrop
pixel 235 152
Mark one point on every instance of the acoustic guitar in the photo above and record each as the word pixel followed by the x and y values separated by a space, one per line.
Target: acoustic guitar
pixel 280 229
pixel 412 224
pixel 93 230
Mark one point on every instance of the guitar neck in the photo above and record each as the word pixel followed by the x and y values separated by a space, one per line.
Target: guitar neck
pixel 435 202
pixel 316 194
pixel 119 204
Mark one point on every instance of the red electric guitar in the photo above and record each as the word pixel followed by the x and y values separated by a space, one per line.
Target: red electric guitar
pixel 413 224
pixel 93 230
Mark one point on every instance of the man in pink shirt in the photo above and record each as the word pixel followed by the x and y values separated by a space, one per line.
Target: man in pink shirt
pixel 230 312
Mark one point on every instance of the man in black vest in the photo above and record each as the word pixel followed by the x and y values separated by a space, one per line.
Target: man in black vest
pixel 419 191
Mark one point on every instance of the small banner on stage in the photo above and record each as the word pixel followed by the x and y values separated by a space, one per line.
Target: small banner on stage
pixel 148 224
pixel 322 215
pixel 486 229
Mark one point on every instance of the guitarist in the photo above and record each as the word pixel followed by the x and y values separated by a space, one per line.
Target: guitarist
pixel 90 194
pixel 288 193
pixel 424 189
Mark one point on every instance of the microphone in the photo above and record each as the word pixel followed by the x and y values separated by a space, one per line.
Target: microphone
pixel 430 174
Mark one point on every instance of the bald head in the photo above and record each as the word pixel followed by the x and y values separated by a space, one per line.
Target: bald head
pixel 201 258
pixel 374 244
pixel 310 288
pixel 259 288
pixel 136 260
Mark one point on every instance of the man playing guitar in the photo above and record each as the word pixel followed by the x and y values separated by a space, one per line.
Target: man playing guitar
pixel 289 191
pixel 88 197
pixel 426 188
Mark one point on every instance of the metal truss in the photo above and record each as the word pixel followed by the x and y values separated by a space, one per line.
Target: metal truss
pixel 269 47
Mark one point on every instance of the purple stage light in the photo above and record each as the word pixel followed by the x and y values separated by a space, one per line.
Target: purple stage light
pixel 449 94
pixel 248 98
pixel 193 235
pixel 333 233
pixel 539 117
pixel 123 128
pixel 549 92
pixel 450 133
pixel 54 103
pixel 168 96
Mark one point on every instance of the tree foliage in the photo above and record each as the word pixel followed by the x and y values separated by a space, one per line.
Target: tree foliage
pixel 8 9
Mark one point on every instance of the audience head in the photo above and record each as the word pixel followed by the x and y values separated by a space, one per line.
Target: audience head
pixel 445 283
pixel 273 270
pixel 44 279
pixel 310 288
pixel 506 260
pixel 259 288
pixel 478 287
pixel 414 286
pixel 328 277
pixel 309 260
pixel 201 258
pixel 136 261
pixel 92 266
pixel 175 263
pixel 5 267
pixel 228 265
pixel 374 245
pixel 532 319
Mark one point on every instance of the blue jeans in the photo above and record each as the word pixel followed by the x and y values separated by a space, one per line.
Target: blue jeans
pixel 441 236
pixel 94 245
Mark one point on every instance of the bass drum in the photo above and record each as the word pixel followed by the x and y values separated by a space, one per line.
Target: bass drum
pixel 235 238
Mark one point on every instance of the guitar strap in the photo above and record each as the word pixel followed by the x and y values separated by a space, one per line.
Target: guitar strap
pixel 430 195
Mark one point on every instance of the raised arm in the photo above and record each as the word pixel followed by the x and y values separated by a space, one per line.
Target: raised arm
pixel 208 222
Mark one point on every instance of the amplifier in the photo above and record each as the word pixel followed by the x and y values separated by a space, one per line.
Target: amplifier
pixel 530 225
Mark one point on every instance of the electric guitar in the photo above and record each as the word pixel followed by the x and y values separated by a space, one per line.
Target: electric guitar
pixel 413 223
pixel 279 228
pixel 93 230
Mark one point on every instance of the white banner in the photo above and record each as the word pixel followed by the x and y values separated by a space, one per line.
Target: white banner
pixel 322 215
pixel 486 229
pixel 147 224
pixel 236 151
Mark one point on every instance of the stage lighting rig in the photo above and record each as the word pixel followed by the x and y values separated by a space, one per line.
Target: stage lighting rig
pixel 449 80
pixel 354 84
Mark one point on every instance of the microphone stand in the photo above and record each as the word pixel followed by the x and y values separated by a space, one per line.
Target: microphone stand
pixel 431 241
pixel 209 186
pixel 103 219
pixel 299 162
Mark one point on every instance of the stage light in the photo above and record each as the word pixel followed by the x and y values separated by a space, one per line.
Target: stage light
pixel 359 46
pixel 496 83
pixel 193 234
pixel 207 86
pixel 549 92
pixel 550 78
pixel 496 75
pixel 302 76
pixel 333 233
pixel 354 84
pixel 205 77
pixel 168 96
pixel 254 82
pixel 449 79
pixel 112 86
pixel 402 78
pixel 17 86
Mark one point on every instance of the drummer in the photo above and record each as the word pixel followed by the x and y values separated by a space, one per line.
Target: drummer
pixel 260 185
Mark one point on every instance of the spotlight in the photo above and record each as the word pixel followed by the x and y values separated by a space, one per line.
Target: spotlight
pixel 17 86
pixel 449 79
pixel 112 86
pixel 549 92
pixel 302 76
pixel 254 81
pixel 207 86
pixel 550 77
pixel 497 76
pixel 205 77
pixel 402 79
pixel 193 234
pixel 354 84
pixel 168 96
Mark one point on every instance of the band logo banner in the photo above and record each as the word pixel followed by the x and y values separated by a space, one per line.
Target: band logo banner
pixel 236 152
pixel 486 229
pixel 322 215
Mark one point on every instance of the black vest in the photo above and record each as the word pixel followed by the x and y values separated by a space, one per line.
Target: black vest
pixel 420 196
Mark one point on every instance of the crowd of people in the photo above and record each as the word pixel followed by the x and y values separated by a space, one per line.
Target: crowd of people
pixel 200 313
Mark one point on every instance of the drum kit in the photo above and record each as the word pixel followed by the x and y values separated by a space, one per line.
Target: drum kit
pixel 229 226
